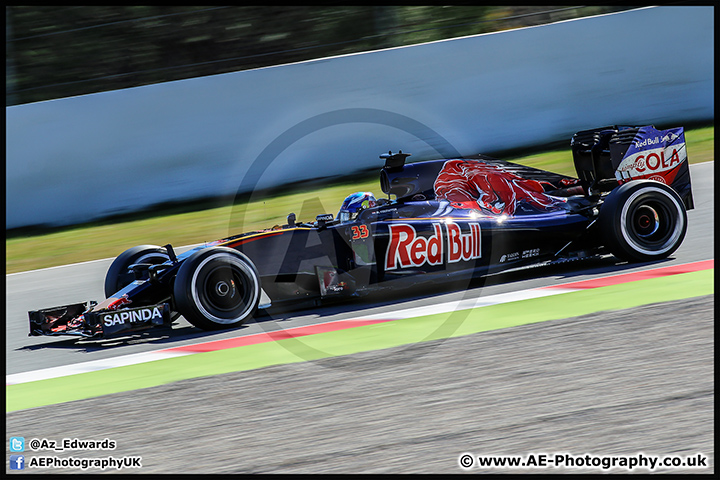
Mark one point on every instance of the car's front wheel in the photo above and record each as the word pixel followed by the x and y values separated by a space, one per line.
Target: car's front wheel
pixel 119 275
pixel 217 288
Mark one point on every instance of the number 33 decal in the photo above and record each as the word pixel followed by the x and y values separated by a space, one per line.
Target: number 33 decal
pixel 360 232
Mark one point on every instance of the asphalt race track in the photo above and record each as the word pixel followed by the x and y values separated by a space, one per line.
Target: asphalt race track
pixel 640 381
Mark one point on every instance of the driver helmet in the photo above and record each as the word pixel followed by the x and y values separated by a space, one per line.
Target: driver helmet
pixel 353 204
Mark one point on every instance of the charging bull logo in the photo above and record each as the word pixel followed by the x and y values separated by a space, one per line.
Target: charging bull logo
pixel 407 249
pixel 468 184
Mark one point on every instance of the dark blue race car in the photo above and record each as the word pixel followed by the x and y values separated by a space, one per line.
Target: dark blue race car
pixel 443 220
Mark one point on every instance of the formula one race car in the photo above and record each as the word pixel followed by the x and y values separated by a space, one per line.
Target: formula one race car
pixel 451 219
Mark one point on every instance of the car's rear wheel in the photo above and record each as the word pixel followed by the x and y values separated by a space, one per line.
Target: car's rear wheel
pixel 119 275
pixel 643 220
pixel 217 288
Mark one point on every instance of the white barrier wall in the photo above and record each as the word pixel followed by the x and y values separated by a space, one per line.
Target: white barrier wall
pixel 75 159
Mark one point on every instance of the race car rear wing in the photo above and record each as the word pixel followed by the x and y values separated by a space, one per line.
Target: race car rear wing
pixel 606 157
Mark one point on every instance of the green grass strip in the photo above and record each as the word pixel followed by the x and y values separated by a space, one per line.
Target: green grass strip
pixel 367 338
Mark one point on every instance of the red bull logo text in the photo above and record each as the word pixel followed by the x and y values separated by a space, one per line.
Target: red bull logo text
pixel 407 249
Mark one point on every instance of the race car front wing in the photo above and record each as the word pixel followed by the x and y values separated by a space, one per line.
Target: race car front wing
pixel 86 320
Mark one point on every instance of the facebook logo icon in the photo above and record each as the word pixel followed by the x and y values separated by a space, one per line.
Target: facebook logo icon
pixel 17 462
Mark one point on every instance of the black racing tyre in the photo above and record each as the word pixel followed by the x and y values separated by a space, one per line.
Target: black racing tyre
pixel 217 288
pixel 643 220
pixel 118 276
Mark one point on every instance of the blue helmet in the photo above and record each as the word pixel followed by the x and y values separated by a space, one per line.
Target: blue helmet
pixel 353 204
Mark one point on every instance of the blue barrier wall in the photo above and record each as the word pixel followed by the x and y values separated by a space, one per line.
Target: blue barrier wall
pixel 75 159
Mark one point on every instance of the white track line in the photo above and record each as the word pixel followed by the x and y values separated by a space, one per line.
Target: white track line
pixel 469 303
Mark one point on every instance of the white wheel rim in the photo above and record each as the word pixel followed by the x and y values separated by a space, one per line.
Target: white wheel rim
pixel 670 242
pixel 245 268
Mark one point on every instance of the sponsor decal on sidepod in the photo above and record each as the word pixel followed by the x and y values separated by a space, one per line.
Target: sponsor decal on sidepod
pixel 407 249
